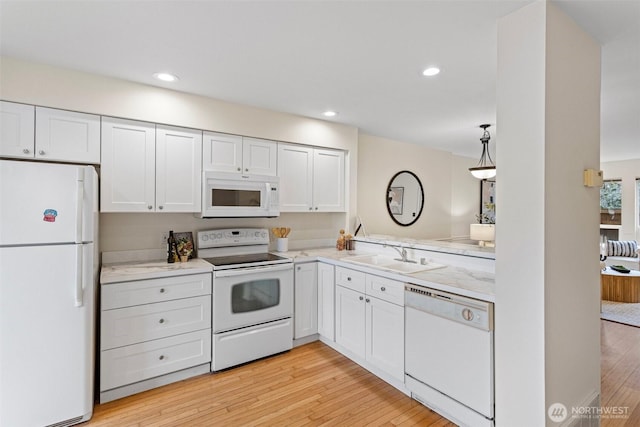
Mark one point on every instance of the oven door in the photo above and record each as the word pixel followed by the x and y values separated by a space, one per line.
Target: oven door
pixel 249 296
pixel 235 195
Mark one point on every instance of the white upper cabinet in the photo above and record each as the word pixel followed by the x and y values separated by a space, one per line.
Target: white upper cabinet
pixel 47 134
pixel 259 156
pixel 233 153
pixel 67 136
pixel 17 130
pixel 311 179
pixel 178 169
pixel 145 169
pixel 328 180
pixel 127 181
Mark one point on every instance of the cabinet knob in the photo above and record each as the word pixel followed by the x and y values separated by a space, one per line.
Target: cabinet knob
pixel 26 151
pixel 383 289
pixel 41 152
pixel 367 300
pixel 310 208
pixel 348 279
pixel 161 357
pixel 246 169
pixel 316 208
pixel 149 207
pixel 161 320
pixel 299 268
pixel 160 207
pixel 239 169
pixel 361 297
pixel 162 290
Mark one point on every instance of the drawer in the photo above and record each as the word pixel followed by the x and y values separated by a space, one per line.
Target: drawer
pixel 127 294
pixel 385 289
pixel 132 325
pixel 133 363
pixel 350 279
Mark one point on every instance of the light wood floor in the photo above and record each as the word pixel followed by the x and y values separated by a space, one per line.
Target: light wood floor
pixel 310 385
pixel 620 372
pixel 315 385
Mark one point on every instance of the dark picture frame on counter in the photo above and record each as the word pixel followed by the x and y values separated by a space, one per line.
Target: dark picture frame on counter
pixel 184 240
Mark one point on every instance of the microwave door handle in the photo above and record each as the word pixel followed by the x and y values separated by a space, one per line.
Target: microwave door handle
pixel 251 270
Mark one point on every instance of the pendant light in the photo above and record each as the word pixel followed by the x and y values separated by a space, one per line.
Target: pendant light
pixel 486 168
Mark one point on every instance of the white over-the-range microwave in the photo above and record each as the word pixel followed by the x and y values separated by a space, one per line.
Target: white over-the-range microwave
pixel 231 195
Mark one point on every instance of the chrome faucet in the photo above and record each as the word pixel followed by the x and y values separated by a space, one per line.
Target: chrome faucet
pixel 402 252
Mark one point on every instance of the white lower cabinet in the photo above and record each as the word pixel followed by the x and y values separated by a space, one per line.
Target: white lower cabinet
pixel 305 300
pixel 326 301
pixel 153 328
pixel 371 327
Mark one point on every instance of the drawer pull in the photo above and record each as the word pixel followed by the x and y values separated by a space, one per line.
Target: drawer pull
pixel 367 300
pixel 361 298
pixel 348 279
pixel 383 289
pixel 161 357
pixel 161 320
pixel 162 290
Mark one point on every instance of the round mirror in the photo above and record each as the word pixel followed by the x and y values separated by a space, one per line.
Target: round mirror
pixel 405 198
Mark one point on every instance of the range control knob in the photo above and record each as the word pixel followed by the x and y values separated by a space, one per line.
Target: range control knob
pixel 467 314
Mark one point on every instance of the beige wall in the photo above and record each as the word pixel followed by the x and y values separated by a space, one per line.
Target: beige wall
pixel 451 193
pixel 628 171
pixel 55 87
pixel 547 322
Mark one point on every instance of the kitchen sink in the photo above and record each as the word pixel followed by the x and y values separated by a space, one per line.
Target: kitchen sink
pixel 391 264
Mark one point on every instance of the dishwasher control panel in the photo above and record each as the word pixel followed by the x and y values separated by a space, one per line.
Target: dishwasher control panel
pixel 460 309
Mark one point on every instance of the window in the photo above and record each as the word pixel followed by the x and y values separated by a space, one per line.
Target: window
pixel 611 203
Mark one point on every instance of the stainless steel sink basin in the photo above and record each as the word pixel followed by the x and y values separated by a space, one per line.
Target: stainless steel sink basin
pixel 391 264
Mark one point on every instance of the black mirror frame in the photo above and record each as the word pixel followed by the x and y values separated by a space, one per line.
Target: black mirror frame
pixel 386 197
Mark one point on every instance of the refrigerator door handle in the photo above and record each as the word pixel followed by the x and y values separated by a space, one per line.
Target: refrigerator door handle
pixel 79 205
pixel 79 292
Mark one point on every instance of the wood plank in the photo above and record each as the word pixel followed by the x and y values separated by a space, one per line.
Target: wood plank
pixel 315 385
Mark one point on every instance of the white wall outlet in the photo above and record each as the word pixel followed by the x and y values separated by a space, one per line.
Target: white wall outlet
pixel 165 237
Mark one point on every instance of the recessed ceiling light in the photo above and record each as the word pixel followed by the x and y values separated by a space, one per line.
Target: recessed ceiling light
pixel 330 113
pixel 431 71
pixel 166 77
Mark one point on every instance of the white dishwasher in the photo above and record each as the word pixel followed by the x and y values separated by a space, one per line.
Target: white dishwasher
pixel 449 354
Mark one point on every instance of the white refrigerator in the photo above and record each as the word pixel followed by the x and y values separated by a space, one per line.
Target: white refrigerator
pixel 48 272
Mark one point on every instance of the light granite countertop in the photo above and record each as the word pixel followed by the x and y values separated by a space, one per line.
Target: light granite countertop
pixel 453 279
pixel 126 272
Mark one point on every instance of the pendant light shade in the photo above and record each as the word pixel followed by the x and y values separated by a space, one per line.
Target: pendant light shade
pixel 486 168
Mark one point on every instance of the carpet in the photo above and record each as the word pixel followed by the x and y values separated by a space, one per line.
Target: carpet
pixel 621 312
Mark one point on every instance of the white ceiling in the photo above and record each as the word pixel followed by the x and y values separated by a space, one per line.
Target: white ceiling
pixel 363 59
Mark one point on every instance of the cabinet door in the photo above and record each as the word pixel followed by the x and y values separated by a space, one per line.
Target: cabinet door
pixel 385 336
pixel 128 166
pixel 350 320
pixel 16 130
pixel 328 181
pixel 178 169
pixel 67 136
pixel 259 156
pixel 222 152
pixel 326 300
pixel 306 300
pixel 295 169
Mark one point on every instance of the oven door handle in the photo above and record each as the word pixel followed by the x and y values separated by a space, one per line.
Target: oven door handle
pixel 252 270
